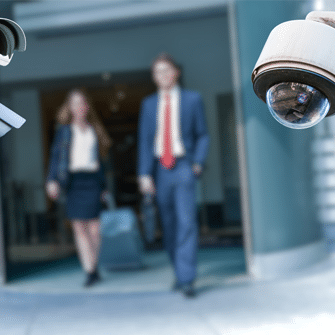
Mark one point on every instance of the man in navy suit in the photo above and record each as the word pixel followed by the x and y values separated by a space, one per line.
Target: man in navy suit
pixel 173 145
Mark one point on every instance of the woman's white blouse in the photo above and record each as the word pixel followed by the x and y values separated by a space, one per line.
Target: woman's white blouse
pixel 83 155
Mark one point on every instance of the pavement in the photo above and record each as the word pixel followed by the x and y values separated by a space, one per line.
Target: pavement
pixel 228 302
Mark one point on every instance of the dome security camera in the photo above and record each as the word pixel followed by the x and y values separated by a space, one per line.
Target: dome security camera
pixel 295 72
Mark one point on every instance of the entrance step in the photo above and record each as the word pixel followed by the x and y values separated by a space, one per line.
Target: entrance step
pixel 39 252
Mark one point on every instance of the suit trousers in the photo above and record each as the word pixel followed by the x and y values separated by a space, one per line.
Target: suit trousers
pixel 176 199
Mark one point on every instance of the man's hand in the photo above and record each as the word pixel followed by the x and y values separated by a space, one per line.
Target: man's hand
pixel 147 185
pixel 197 169
pixel 53 190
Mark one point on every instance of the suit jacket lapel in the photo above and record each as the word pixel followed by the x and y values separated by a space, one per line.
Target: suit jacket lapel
pixel 182 112
pixel 155 115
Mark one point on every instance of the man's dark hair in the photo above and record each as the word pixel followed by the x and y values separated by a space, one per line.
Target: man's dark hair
pixel 165 57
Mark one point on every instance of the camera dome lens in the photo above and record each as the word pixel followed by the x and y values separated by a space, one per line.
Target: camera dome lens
pixel 296 105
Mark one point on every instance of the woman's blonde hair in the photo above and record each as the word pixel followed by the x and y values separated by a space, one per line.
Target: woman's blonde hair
pixel 64 116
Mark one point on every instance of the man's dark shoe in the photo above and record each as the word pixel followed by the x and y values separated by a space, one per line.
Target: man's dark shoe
pixel 176 286
pixel 188 290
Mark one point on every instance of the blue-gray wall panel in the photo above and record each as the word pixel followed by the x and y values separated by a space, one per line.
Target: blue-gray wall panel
pixel 278 157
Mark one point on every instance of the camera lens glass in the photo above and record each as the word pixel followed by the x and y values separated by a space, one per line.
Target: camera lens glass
pixel 296 105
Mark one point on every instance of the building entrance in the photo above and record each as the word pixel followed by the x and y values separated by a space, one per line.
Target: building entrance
pixel 37 238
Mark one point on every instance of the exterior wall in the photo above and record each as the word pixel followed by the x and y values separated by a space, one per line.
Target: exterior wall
pixel 23 148
pixel 278 158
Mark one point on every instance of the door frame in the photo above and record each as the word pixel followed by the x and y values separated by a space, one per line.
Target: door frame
pixel 240 131
pixel 241 142
pixel 3 258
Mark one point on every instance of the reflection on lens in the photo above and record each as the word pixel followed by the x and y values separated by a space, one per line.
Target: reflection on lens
pixel 296 105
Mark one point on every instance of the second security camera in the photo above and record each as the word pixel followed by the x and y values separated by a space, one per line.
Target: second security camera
pixel 295 72
pixel 12 38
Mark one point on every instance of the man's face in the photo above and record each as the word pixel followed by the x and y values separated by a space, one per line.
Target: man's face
pixel 165 75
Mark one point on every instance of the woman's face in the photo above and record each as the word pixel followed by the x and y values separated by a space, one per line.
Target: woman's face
pixel 78 105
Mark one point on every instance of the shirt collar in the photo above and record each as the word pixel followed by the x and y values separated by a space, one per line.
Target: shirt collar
pixel 174 90
pixel 77 129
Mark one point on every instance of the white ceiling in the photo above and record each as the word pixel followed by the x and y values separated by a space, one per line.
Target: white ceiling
pixel 54 15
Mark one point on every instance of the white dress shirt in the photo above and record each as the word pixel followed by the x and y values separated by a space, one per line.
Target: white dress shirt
pixel 178 149
pixel 82 150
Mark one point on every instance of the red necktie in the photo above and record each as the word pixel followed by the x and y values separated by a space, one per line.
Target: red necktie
pixel 167 159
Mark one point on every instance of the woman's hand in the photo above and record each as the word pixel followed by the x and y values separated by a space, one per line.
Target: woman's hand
pixel 107 198
pixel 53 190
pixel 104 196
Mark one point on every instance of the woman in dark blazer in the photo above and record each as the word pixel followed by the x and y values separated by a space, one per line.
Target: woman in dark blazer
pixel 80 144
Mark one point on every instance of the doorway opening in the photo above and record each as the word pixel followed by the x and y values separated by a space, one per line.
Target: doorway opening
pixel 36 241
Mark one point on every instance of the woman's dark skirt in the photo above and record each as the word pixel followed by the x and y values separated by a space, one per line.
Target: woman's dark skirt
pixel 83 198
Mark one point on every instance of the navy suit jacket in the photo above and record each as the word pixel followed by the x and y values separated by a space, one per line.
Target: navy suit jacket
pixel 59 158
pixel 193 131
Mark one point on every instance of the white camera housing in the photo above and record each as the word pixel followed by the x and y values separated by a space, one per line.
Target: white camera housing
pixel 295 72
